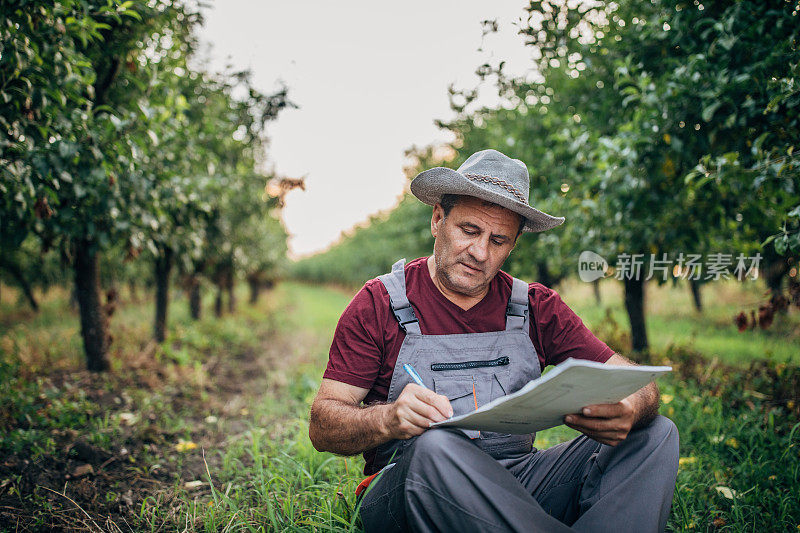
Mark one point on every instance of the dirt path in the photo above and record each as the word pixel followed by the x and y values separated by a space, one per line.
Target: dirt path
pixel 98 480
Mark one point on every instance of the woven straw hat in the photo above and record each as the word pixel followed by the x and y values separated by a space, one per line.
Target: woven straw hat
pixel 488 175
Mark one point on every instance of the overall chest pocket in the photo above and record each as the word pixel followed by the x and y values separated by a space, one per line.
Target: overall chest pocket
pixel 467 392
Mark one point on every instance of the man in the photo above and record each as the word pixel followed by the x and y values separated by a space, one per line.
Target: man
pixel 474 333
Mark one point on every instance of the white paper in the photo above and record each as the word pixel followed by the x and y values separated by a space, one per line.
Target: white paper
pixel 566 389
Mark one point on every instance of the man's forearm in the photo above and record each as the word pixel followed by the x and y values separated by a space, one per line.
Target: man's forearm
pixel 338 427
pixel 645 404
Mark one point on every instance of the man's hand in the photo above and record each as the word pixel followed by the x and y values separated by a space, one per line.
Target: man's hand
pixel 415 410
pixel 611 423
pixel 338 423
pixel 605 423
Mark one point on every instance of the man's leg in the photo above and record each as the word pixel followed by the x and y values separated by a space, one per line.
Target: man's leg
pixel 555 476
pixel 383 503
pixel 631 485
pixel 595 487
pixel 443 482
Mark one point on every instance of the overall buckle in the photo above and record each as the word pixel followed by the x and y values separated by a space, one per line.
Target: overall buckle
pixel 515 309
pixel 405 315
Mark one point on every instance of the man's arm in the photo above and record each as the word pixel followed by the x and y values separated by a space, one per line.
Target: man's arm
pixel 339 424
pixel 611 423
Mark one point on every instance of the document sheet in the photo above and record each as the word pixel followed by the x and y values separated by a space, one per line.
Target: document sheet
pixel 543 402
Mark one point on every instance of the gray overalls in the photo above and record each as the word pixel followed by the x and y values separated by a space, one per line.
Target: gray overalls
pixel 464 480
pixel 471 369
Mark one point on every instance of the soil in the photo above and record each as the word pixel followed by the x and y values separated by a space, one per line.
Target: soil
pixel 88 487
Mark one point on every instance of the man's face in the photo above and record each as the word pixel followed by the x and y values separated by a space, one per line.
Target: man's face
pixel 472 243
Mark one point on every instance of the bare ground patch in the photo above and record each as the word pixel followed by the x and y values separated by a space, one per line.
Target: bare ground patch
pixel 155 418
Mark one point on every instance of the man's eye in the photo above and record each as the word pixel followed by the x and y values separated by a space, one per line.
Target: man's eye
pixel 498 243
pixel 469 232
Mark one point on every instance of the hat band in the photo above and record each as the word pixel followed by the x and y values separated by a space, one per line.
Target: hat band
pixel 497 181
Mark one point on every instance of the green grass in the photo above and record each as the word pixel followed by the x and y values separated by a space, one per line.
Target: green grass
pixel 740 438
pixel 740 466
pixel 742 449
pixel 271 477
pixel 672 320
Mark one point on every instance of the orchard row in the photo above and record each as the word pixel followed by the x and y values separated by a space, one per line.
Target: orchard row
pixel 657 128
pixel 117 149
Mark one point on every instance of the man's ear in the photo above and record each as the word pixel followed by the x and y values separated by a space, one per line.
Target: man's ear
pixel 436 219
pixel 522 222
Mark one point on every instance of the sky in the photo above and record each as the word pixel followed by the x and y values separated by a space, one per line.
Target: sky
pixel 369 80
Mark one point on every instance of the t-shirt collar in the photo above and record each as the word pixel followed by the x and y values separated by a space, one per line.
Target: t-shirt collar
pixel 430 285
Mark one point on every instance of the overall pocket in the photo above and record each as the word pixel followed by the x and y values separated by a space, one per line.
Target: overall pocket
pixel 468 392
pixel 462 391
pixel 469 365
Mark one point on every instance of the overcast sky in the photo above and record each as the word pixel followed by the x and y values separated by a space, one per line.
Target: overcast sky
pixel 369 78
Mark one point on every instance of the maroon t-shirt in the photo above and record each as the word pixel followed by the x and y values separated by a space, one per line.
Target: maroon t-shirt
pixel 368 338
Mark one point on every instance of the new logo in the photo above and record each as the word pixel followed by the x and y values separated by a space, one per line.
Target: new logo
pixel 591 266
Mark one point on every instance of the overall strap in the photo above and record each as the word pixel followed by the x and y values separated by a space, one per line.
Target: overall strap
pixel 517 309
pixel 395 283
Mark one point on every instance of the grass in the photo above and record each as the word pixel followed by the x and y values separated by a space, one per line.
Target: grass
pixel 672 319
pixel 272 477
pixel 214 422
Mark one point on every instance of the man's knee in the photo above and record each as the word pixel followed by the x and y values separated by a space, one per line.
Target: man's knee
pixel 662 428
pixel 437 453
pixel 437 444
pixel 662 434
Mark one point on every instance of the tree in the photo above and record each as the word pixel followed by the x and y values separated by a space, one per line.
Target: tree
pixel 658 129
pixel 108 130
pixel 647 82
pixel 68 174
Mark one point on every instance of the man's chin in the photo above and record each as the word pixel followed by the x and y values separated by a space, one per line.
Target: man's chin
pixel 464 284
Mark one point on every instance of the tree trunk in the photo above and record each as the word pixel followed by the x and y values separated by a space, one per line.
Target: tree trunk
pixel 698 302
pixel 73 297
pixel 133 291
pixel 775 269
pixel 93 319
pixel 230 282
pixel 218 300
pixel 163 266
pixel 596 288
pixel 634 304
pixel 255 289
pixel 13 269
pixel 544 274
pixel 195 307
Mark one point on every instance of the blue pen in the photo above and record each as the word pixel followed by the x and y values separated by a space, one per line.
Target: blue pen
pixel 413 373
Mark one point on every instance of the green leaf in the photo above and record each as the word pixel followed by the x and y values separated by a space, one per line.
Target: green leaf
pixel 709 111
pixel 132 14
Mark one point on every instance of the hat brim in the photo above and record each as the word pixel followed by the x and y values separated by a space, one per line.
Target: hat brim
pixel 430 185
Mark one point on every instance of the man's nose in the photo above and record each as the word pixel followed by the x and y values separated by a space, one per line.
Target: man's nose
pixel 479 249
